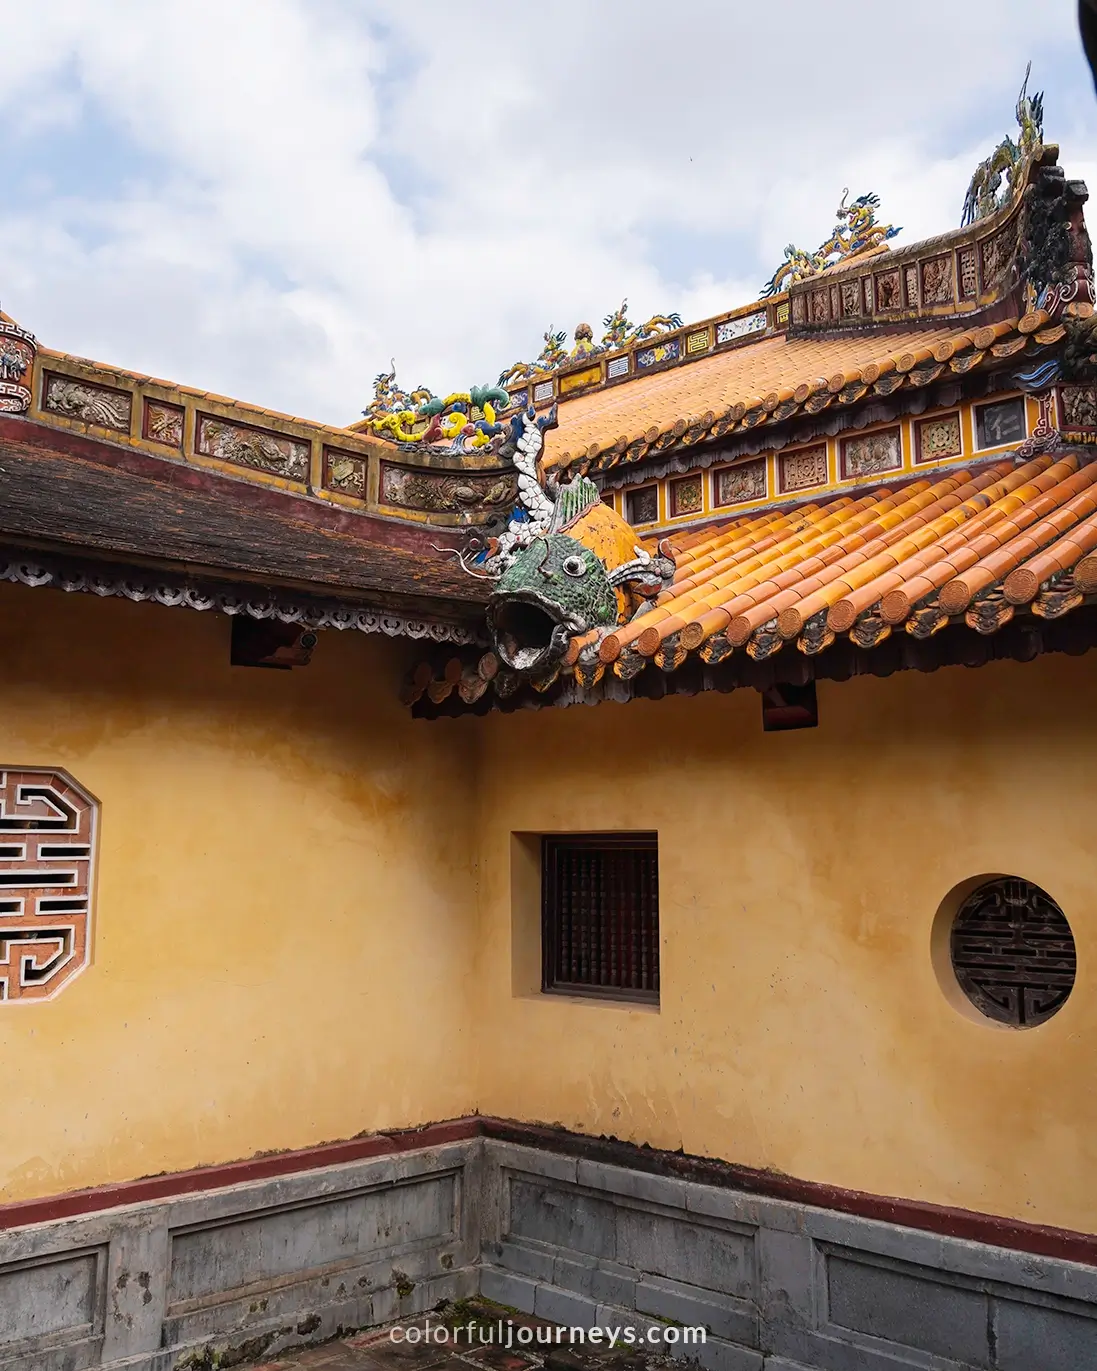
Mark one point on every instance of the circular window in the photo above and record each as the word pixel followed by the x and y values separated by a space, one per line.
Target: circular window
pixel 1013 952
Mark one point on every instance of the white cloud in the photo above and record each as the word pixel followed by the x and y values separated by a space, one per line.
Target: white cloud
pixel 271 198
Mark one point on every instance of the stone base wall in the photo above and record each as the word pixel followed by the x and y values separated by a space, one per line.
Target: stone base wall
pixel 248 1270
pixel 779 1286
pixel 252 1269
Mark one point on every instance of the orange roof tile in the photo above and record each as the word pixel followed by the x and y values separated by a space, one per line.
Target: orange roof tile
pixel 971 543
pixel 969 546
pixel 767 382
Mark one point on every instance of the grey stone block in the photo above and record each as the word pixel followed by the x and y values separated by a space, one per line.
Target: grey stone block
pixel 614 1286
pixel 1052 1339
pixel 722 1356
pixel 561 1306
pixel 699 1253
pixel 573 1272
pixel 904 1307
pixel 735 1320
pixel 52 1296
pixel 786 1279
pixel 530 1160
pixel 562 1218
pixel 526 1261
pixel 604 1282
pixel 639 1185
pixel 518 1292
pixel 137 1283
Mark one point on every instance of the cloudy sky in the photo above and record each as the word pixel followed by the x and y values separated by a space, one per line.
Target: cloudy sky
pixel 271 198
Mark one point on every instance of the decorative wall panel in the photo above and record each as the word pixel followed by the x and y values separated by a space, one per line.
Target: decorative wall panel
pixel 939 438
pixel 872 453
pixel 744 482
pixel 48 829
pixel 997 253
pixel 937 281
pixel 444 492
pixel 345 472
pixel 1001 423
pixel 1079 406
pixel 686 496
pixel 642 505
pixel 799 470
pixel 887 291
pixel 164 423
pixel 253 447
pixel 742 327
pixel 969 281
pixel 698 342
pixel 579 380
pixel 90 404
pixel 661 352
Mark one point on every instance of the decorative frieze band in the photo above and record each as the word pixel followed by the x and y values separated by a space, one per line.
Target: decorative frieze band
pixel 90 404
pixel 446 492
pixel 245 446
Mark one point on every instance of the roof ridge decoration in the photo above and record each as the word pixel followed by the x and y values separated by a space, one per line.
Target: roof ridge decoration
pixel 465 419
pixel 17 353
pixel 619 333
pixel 565 565
pixel 855 235
pixel 985 195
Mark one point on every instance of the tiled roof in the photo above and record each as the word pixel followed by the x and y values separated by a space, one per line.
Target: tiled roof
pixel 978 544
pixel 769 381
pixel 917 574
pixel 85 497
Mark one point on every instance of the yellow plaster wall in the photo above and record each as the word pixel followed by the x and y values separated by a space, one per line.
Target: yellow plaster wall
pixel 307 925
pixel 801 1025
pixel 285 881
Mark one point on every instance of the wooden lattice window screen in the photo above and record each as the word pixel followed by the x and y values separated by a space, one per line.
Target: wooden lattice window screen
pixel 1013 952
pixel 600 915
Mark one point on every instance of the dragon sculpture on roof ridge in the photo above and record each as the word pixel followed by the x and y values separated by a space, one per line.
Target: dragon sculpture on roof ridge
pixel 467 419
pixel 985 194
pixel 620 332
pixel 855 234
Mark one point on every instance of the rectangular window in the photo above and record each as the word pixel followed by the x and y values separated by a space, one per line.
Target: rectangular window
pixel 1000 423
pixel 600 915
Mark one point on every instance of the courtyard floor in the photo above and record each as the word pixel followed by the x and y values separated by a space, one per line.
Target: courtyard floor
pixel 378 1351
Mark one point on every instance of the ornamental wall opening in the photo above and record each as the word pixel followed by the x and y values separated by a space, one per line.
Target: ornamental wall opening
pixel 48 830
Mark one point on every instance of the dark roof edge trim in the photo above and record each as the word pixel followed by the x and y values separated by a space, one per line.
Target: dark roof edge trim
pixel 31 569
